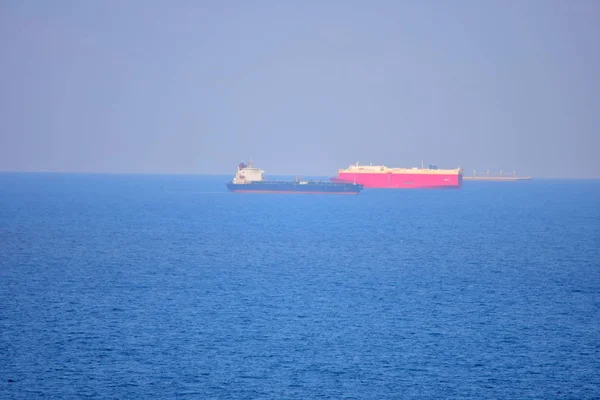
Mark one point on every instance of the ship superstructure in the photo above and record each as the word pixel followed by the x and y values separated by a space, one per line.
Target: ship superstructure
pixel 247 173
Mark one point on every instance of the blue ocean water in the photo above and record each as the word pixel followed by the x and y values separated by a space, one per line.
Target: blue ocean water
pixel 158 286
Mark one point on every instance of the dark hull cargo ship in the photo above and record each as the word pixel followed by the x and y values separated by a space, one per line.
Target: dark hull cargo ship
pixel 250 180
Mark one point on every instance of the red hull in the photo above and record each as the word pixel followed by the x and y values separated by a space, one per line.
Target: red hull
pixel 292 192
pixel 402 180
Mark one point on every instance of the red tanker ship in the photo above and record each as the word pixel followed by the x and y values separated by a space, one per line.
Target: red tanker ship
pixel 380 176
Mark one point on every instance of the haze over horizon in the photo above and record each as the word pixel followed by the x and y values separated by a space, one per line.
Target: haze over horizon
pixel 300 87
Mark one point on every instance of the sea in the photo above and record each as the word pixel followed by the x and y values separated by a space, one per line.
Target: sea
pixel 169 286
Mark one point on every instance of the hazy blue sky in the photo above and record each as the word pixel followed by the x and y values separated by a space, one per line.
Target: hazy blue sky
pixel 300 86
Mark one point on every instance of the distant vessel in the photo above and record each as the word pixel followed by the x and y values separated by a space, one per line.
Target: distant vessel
pixel 380 176
pixel 250 180
pixel 496 177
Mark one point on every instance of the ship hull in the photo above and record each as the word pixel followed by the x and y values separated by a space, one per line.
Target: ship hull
pixel 295 188
pixel 402 180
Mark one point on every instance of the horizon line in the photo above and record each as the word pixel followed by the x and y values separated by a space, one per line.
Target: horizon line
pixel 145 173
pixel 221 174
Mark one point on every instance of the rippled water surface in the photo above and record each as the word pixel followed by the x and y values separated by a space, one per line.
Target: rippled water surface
pixel 125 286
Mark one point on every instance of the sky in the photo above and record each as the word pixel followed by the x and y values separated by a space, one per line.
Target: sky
pixel 300 87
